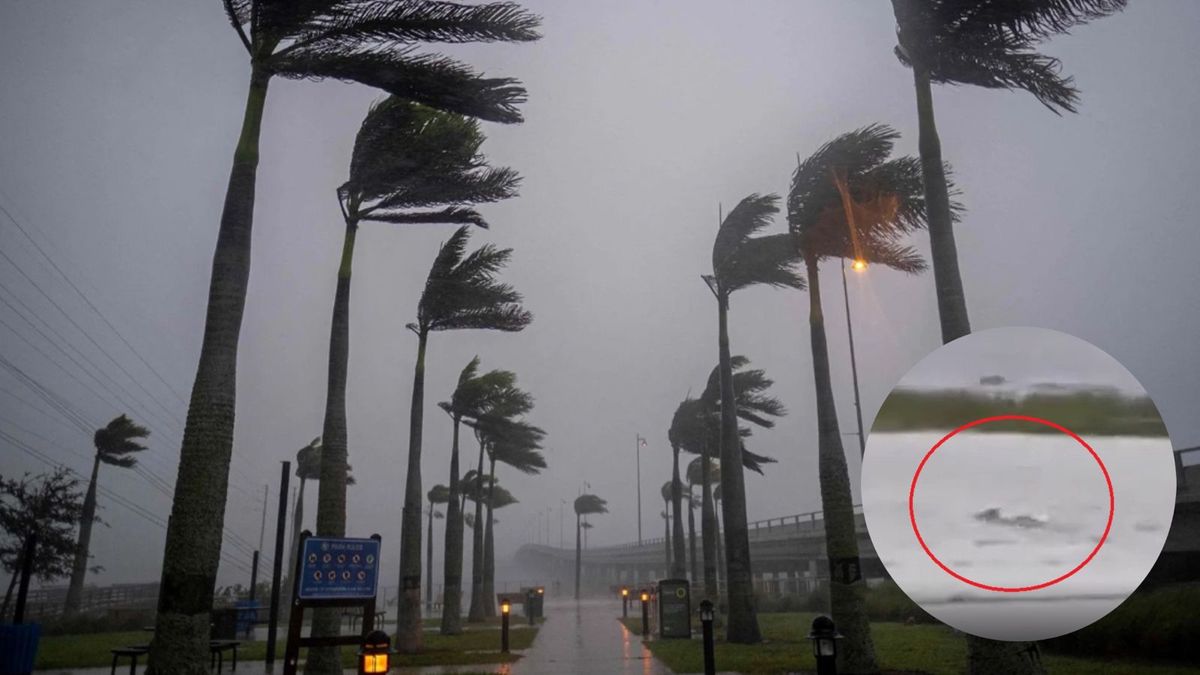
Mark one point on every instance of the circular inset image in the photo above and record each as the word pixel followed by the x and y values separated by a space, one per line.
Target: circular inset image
pixel 1018 484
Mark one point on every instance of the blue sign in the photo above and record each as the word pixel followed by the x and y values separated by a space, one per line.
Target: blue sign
pixel 339 568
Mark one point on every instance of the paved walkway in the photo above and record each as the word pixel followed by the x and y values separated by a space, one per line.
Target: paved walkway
pixel 585 637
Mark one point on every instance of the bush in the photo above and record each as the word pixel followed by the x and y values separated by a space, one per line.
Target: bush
pixel 1155 624
pixel 886 602
pixel 115 620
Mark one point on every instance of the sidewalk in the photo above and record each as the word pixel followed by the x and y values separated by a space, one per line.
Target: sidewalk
pixel 586 637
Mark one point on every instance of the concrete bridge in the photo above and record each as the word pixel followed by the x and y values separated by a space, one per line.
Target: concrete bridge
pixel 789 552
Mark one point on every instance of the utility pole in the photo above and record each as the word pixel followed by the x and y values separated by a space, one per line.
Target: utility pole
pixel 277 563
pixel 640 443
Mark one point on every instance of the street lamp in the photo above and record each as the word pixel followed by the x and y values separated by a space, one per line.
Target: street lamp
pixel 824 637
pixel 645 614
pixel 859 265
pixel 706 623
pixel 624 603
pixel 505 608
pixel 641 443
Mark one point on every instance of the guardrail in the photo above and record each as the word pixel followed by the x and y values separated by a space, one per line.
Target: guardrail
pixel 811 518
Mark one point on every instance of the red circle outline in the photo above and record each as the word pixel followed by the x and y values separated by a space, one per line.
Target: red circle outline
pixel 912 517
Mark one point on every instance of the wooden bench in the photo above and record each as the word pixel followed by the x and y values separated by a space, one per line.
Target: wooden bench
pixel 132 652
pixel 217 649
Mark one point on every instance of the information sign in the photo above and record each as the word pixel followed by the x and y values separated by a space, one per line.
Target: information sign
pixel 339 569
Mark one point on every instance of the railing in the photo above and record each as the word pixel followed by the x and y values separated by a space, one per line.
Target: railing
pixel 811 518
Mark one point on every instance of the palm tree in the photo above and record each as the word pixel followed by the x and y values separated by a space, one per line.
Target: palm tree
pixel 308 467
pixel 475 395
pixel 438 494
pixel 674 565
pixel 848 200
pixel 516 444
pixel 585 504
pixel 461 293
pixel 739 261
pixel 353 40
pixel 989 45
pixel 694 471
pixel 116 443
pixel 411 165
pixel 676 534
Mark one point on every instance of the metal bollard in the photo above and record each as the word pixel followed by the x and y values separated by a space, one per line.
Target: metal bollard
pixel 706 623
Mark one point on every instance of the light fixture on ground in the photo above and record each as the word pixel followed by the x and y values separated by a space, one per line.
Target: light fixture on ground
pixel 824 637
pixel 375 653
pixel 645 614
pixel 706 624
pixel 624 603
pixel 505 609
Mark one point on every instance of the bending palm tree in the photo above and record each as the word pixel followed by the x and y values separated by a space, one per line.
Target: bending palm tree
pixel 584 504
pixel 460 293
pixel 115 443
pixel 675 566
pixel 516 444
pixel 308 467
pixel 438 494
pixel 849 201
pixel 475 395
pixel 739 261
pixel 353 40
pixel 675 535
pixel 694 471
pixel 988 45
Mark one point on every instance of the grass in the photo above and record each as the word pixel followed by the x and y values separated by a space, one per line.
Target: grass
pixel 918 648
pixel 473 646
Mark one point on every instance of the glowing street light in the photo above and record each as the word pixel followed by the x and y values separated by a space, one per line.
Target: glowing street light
pixel 858 265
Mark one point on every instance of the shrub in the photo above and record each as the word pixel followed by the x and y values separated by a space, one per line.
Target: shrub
pixel 1154 624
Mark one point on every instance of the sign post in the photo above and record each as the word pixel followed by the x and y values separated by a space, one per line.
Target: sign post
pixel 332 572
pixel 674 609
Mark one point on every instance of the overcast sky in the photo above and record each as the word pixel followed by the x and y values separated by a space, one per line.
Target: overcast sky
pixel 117 126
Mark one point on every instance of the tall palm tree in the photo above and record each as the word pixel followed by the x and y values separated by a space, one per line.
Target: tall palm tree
pixel 116 444
pixel 848 200
pixel 741 260
pixel 308 467
pixel 694 471
pixel 678 568
pixel 675 566
pixel 438 494
pixel 585 504
pixel 353 40
pixel 475 395
pixel 509 405
pixel 990 45
pixel 460 293
pixel 518 445
pixel 411 165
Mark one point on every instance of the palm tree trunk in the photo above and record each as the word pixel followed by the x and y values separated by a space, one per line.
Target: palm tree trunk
pixel 667 540
pixel 475 612
pixel 578 554
pixel 692 537
pixel 841 540
pixel 429 562
pixel 408 623
pixel 489 551
pixel 679 568
pixel 331 491
pixel 708 529
pixel 742 627
pixel 452 564
pixel 79 568
pixel 722 563
pixel 952 303
pixel 193 542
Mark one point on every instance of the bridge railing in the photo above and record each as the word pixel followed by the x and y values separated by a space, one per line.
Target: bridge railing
pixel 809 518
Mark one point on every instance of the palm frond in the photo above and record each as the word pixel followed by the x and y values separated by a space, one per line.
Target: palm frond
pixel 462 293
pixel 754 461
pixel 430 79
pixel 1033 18
pixel 438 494
pixel 750 215
pixel 770 260
pixel 589 503
pixel 352 23
pixel 453 216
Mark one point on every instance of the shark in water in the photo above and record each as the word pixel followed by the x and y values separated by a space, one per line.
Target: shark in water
pixel 995 516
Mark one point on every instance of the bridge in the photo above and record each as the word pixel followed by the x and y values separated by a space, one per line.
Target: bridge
pixel 788 552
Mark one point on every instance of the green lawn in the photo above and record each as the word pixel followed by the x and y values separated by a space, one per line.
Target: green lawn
pixel 932 649
pixel 475 645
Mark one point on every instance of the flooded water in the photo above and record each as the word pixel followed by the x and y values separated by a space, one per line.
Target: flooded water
pixel 1017 510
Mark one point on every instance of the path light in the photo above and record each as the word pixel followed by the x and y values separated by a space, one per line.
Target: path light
pixel 624 603
pixel 858 265
pixel 824 638
pixel 706 622
pixel 645 614
pixel 505 609
pixel 373 655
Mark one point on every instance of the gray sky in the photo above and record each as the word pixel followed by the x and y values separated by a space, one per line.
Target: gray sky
pixel 117 125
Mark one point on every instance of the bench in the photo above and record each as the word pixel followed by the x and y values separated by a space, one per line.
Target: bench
pixel 217 649
pixel 132 652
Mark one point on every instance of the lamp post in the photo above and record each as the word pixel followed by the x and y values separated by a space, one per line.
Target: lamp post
pixel 624 603
pixel 505 609
pixel 706 623
pixel 859 265
pixel 824 637
pixel 641 443
pixel 645 614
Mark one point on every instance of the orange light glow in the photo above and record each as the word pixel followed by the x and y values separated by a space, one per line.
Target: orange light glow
pixel 624 592
pixel 645 597
pixel 375 663
pixel 541 591
pixel 505 607
pixel 859 265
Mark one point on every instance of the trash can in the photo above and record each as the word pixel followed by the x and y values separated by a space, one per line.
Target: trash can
pixel 18 647
pixel 224 623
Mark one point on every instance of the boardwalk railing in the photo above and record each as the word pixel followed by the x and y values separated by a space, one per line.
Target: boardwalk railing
pixel 809 518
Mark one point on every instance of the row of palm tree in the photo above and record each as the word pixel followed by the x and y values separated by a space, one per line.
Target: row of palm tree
pixel 372 43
